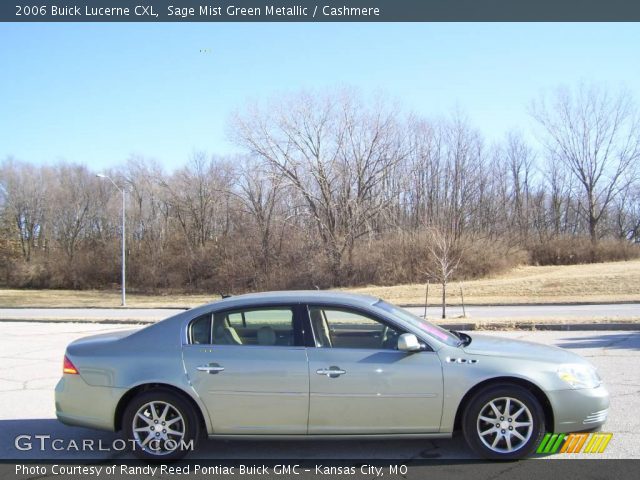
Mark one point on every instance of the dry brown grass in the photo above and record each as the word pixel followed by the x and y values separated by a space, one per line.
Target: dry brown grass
pixel 601 282
pixel 97 298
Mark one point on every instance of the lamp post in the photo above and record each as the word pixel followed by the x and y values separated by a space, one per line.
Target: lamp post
pixel 121 190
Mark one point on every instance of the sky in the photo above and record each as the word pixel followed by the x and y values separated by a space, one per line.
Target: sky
pixel 100 93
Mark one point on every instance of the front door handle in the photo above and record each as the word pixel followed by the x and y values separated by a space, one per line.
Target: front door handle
pixel 331 372
pixel 212 368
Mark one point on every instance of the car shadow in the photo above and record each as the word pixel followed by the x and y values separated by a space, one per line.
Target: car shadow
pixel 622 341
pixel 361 449
pixel 49 439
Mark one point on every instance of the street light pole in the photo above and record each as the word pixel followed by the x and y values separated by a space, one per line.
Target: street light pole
pixel 124 255
pixel 124 270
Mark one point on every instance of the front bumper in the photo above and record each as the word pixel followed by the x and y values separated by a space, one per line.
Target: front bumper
pixel 81 404
pixel 577 410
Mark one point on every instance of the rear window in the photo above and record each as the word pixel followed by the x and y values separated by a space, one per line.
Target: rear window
pixel 269 326
pixel 200 330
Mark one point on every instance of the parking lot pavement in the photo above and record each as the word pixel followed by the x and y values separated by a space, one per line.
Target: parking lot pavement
pixel 31 361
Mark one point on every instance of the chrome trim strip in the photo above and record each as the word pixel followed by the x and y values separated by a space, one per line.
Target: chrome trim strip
pixel 375 395
pixel 257 394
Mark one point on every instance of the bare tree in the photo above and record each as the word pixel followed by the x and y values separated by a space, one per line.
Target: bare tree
pixel 336 153
pixel 627 215
pixel 74 198
pixel 596 136
pixel 336 189
pixel 444 249
pixel 197 194
pixel 260 192
pixel 151 222
pixel 25 188
pixel 520 161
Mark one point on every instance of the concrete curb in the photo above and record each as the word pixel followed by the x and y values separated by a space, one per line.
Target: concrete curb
pixel 629 326
pixel 511 304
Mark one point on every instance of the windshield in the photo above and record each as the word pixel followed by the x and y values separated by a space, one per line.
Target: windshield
pixel 429 328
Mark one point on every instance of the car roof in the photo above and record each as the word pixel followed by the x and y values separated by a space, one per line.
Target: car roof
pixel 297 296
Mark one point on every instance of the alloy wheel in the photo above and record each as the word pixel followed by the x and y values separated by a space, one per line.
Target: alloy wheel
pixel 158 428
pixel 504 424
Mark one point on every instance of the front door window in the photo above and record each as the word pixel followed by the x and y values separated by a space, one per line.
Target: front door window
pixel 341 328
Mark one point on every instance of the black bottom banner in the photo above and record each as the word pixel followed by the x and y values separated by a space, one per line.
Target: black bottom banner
pixel 296 469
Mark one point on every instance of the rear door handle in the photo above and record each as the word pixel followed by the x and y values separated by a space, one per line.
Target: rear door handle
pixel 212 368
pixel 331 372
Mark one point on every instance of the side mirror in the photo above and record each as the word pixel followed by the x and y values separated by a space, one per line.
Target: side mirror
pixel 408 342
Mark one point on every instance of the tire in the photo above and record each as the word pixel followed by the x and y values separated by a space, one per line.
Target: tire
pixel 494 434
pixel 151 435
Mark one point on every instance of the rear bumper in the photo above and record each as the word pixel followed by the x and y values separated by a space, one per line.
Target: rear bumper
pixel 579 410
pixel 80 404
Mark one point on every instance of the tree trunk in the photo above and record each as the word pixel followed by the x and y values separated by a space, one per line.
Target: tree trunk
pixel 444 299
pixel 592 230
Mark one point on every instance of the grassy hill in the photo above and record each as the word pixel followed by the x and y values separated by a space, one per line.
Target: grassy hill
pixel 598 282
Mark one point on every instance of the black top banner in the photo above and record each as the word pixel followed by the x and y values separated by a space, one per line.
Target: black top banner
pixel 319 10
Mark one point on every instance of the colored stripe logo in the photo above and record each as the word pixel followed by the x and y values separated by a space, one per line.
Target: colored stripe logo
pixel 574 443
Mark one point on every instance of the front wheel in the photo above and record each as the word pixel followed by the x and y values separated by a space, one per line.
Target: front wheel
pixel 161 426
pixel 503 422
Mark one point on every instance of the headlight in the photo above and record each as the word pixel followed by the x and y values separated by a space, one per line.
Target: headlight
pixel 579 376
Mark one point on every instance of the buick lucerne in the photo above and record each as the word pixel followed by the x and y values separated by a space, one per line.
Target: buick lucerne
pixel 322 365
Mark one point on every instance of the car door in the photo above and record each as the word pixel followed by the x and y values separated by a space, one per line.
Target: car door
pixel 361 384
pixel 250 369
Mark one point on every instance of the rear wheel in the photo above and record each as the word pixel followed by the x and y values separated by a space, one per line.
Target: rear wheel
pixel 503 422
pixel 160 425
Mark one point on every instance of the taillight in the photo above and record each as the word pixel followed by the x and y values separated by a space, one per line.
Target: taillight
pixel 68 367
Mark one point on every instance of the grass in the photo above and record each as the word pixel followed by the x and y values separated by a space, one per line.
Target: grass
pixel 97 298
pixel 601 282
pixel 598 283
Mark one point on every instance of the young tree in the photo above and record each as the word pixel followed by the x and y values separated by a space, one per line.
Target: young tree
pixel 445 251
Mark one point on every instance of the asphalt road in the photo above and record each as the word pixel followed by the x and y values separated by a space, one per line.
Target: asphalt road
pixel 516 312
pixel 31 360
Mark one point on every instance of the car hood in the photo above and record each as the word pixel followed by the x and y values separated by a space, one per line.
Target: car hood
pixel 505 347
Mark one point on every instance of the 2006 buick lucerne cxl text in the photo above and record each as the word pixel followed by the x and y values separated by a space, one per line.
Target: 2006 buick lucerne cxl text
pixel 322 364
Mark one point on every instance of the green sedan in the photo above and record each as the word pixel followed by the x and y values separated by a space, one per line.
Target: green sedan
pixel 322 365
